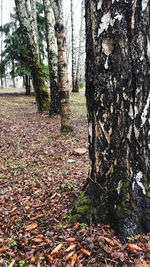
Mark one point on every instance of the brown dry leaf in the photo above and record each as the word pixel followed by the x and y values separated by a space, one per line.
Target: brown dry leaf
pixel 10 253
pixel 39 236
pixel 1 240
pixel 31 227
pixel 68 257
pixel 55 195
pixel 12 263
pixel 55 250
pixel 12 211
pixel 38 264
pixel 142 265
pixel 32 259
pixel 107 226
pixel 133 248
pixel 76 226
pixel 70 239
pixel 37 240
pixel 85 252
pixel 50 258
pixel 109 241
pixel 2 249
pixel 71 247
pixel 74 258
pixel 147 245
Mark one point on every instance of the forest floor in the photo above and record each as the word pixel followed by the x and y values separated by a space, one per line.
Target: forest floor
pixel 40 179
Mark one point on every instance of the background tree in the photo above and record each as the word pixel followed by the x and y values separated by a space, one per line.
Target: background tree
pixel 2 68
pixel 118 100
pixel 78 68
pixel 14 51
pixel 25 16
pixel 73 46
pixel 62 66
pixel 52 58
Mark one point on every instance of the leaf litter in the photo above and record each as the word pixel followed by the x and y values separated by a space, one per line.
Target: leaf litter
pixel 40 178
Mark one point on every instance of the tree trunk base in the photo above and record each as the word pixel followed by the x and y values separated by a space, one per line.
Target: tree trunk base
pixel 93 206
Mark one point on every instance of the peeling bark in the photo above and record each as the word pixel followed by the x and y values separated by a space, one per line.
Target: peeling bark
pixel 118 100
pixel 42 97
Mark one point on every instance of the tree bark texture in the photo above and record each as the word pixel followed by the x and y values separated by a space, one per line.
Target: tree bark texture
pixel 73 46
pixel 79 50
pixel 33 15
pixel 42 97
pixel 52 58
pixel 118 101
pixel 62 66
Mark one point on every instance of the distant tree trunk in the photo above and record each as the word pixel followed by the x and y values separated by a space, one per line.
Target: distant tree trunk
pixel 118 101
pixel 77 82
pixel 62 66
pixel 73 46
pixel 1 71
pixel 52 59
pixel 28 85
pixel 42 97
pixel 14 83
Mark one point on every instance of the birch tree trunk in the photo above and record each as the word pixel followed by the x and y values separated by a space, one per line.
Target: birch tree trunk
pixel 42 97
pixel 79 50
pixel 73 46
pixel 34 22
pixel 52 58
pixel 118 100
pixel 62 66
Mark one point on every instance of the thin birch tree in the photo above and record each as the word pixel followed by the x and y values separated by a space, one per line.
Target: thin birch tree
pixel 62 66
pixel 72 46
pixel 52 58
pixel 78 69
pixel 25 18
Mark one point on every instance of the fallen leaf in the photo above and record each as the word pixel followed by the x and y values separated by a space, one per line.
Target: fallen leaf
pixel 38 264
pixel 32 259
pixel 70 161
pixel 37 240
pixel 147 245
pixel 2 249
pixel 142 265
pixel 10 253
pixel 74 258
pixel 12 211
pixel 85 252
pixel 107 226
pixel 68 257
pixel 1 240
pixel 39 236
pixel 76 226
pixel 50 258
pixel 31 227
pixel 109 241
pixel 80 151
pixel 55 195
pixel 133 248
pixel 71 247
pixel 70 239
pixel 55 250
pixel 12 263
